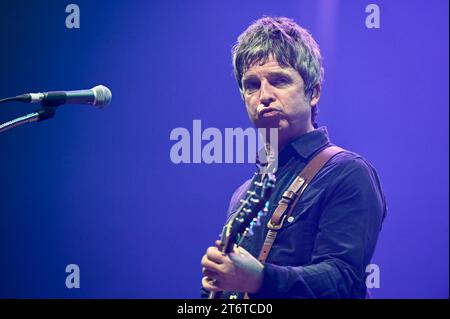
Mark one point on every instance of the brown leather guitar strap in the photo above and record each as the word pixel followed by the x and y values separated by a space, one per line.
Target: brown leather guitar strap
pixel 291 196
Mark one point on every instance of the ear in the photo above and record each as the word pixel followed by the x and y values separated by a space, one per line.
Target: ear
pixel 315 96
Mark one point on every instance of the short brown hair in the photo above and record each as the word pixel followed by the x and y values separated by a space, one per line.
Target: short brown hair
pixel 287 42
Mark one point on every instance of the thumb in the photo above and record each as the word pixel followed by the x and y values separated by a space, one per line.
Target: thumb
pixel 240 250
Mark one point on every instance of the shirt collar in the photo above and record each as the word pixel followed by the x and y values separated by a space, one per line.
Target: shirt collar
pixel 305 146
pixel 309 143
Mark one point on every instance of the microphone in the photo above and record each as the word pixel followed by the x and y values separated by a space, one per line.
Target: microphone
pixel 99 96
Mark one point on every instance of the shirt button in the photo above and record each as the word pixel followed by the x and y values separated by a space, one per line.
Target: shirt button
pixel 290 219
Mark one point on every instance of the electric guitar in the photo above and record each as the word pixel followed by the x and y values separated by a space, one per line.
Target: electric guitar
pixel 248 215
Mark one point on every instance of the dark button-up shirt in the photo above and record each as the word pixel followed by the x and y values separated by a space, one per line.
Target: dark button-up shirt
pixel 323 251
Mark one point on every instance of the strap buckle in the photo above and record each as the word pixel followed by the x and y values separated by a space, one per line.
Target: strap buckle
pixel 276 227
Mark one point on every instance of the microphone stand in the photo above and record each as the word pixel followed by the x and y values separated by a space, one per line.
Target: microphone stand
pixel 44 113
pixel 98 96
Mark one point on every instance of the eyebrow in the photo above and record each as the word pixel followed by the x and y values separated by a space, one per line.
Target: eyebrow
pixel 268 75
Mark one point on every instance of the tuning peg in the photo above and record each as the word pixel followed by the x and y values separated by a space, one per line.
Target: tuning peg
pixel 264 211
pixel 243 201
pixel 249 232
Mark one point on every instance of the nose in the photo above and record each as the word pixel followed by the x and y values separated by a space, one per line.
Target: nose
pixel 266 95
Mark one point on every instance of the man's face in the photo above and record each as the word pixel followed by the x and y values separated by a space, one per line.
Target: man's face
pixel 275 97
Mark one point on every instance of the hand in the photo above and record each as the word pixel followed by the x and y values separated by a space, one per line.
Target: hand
pixel 237 271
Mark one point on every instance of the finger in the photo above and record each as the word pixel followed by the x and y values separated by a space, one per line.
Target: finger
pixel 210 265
pixel 211 274
pixel 215 255
pixel 210 285
pixel 218 244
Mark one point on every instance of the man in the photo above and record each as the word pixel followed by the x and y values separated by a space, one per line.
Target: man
pixel 322 251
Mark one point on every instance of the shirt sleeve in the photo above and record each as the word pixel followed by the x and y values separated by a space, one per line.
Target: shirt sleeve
pixel 346 237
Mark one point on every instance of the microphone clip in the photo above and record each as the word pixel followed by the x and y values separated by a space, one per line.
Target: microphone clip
pixel 45 113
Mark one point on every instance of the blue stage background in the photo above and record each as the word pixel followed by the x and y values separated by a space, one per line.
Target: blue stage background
pixel 97 188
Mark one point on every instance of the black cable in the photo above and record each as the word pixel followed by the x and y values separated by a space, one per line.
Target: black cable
pixel 8 99
pixel 19 98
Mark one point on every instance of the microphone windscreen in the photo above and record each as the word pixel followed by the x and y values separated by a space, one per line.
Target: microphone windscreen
pixel 103 96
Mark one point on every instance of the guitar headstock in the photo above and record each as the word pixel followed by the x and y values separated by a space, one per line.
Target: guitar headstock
pixel 254 206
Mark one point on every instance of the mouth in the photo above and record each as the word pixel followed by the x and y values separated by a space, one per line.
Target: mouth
pixel 268 112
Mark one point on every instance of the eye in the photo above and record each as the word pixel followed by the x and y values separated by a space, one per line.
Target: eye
pixel 280 81
pixel 251 86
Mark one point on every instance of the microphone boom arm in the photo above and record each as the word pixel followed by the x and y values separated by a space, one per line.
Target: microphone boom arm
pixel 40 115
